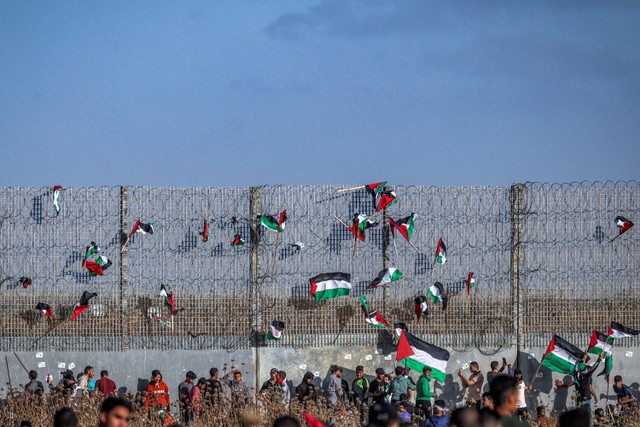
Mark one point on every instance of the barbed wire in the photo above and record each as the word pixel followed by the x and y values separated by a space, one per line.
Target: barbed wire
pixel 568 263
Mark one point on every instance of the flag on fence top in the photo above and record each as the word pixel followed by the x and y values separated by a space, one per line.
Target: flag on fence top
pixel 404 226
pixel 385 277
pixel 372 317
pixel 387 198
pixel 359 224
pixel 24 281
pixel 617 330
pixel 608 366
pixel 282 220
pixel 599 342
pixel 399 327
pixel 45 308
pixel 168 299
pixel 275 330
pixel 141 227
pixel 562 356
pixel 375 190
pixel 97 266
pixel 437 294
pixel 237 241
pixel 205 231
pixel 297 246
pixel 330 285
pixel 471 282
pixel 623 224
pixel 271 223
pixel 416 354
pixel 421 306
pixel 81 305
pixel 441 252
pixel 56 198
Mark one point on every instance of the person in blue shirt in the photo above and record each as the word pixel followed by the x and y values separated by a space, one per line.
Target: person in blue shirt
pixel 438 419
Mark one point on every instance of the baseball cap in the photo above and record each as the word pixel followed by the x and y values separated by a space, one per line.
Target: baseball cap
pixel 273 371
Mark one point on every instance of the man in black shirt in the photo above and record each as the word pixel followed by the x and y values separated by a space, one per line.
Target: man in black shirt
pixel 582 382
pixel 272 382
pixel 214 387
pixel 306 390
pixel 379 389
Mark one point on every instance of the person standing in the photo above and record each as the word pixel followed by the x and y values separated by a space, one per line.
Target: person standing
pixel 34 386
pixel 195 397
pixel 378 389
pixel 332 386
pixel 360 387
pixel 473 384
pixel 157 392
pixel 184 391
pixel 523 391
pixel 214 387
pixel 400 386
pixel 83 382
pixel 495 371
pixel 423 392
pixel 105 385
pixel 582 382
pixel 239 390
pixel 504 396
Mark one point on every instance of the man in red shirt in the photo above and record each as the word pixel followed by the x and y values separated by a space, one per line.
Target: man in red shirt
pixel 157 391
pixel 105 385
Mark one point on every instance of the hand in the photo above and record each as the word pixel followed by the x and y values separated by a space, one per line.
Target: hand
pixel 559 383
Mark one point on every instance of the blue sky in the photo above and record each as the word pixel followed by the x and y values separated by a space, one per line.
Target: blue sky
pixel 239 93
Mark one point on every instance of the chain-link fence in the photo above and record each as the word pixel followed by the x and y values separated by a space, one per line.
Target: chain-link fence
pixel 540 255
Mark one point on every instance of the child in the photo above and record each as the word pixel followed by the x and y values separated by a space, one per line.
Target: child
pixel 405 416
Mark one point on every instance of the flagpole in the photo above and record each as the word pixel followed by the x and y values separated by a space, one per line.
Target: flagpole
pixel 413 246
pixel 395 246
pixel 350 188
pixel 125 244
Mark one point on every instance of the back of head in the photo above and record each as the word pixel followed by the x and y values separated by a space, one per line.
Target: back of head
pixel 399 370
pixel 501 388
pixel 489 418
pixel 191 375
pixel 65 417
pixel 33 375
pixel 494 365
pixel 104 373
pixel 213 371
pixel 382 414
pixel 575 418
pixel 464 417
pixel 286 421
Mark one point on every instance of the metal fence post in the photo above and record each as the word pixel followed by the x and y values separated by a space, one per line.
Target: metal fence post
pixel 254 276
pixel 123 270
pixel 517 264
pixel 385 253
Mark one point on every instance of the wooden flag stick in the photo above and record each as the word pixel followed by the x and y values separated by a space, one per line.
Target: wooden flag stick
pixel 395 246
pixel 342 190
pixel 615 238
pixel 413 246
pixel 24 367
pixel 125 245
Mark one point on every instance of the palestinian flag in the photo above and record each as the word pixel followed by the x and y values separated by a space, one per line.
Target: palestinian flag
pixel 142 227
pixel 81 305
pixel 421 306
pixel 441 252
pixel 275 330
pixel 599 343
pixel 399 327
pixel 359 224
pixel 387 198
pixel 562 356
pixel 437 294
pixel 471 283
pixel 56 198
pixel 385 277
pixel 375 190
pixel 616 330
pixel 46 309
pixel 404 226
pixel 91 250
pixel 24 281
pixel 168 299
pixel 372 317
pixel 416 354
pixel 205 231
pixel 297 246
pixel 608 366
pixel 623 224
pixel 98 266
pixel 237 241
pixel 330 285
pixel 271 223
pixel 282 220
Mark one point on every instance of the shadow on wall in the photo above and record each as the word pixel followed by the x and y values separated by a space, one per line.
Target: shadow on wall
pixel 143 383
pixel 450 392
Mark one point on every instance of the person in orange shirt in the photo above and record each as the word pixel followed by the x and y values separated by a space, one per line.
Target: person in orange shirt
pixel 157 392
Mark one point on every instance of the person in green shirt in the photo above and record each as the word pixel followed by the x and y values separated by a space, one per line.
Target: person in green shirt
pixel 400 386
pixel 424 393
pixel 360 387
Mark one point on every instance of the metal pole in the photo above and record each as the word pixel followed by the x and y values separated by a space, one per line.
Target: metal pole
pixel 254 274
pixel 517 265
pixel 385 252
pixel 123 269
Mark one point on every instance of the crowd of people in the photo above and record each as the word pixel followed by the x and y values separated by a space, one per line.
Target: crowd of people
pixel 367 400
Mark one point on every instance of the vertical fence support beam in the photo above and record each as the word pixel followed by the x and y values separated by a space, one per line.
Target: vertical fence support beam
pixel 123 269
pixel 385 254
pixel 517 265
pixel 254 276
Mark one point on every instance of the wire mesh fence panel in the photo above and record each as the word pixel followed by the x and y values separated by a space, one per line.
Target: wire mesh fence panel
pixel 49 248
pixel 207 276
pixel 576 279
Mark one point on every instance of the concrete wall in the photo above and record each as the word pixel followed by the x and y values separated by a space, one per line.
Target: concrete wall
pixel 131 369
